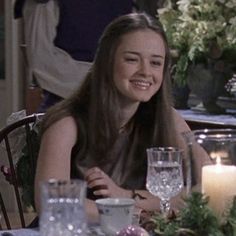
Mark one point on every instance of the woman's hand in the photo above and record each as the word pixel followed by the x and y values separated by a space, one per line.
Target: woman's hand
pixel 103 185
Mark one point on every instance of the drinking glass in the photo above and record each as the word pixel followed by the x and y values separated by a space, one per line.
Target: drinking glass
pixel 164 175
pixel 62 208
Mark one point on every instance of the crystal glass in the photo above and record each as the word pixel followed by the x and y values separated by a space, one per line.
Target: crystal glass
pixel 165 174
pixel 62 208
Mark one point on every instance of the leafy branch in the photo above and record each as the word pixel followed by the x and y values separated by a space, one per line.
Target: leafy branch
pixel 195 219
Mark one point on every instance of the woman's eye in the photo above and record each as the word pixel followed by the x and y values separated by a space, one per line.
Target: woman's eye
pixel 131 59
pixel 156 63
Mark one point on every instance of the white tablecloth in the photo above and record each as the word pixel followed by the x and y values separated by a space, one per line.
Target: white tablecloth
pixel 93 230
pixel 20 232
pixel 227 119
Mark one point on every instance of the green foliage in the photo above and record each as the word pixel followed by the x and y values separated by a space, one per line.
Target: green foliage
pixel 229 228
pixel 181 69
pixel 165 226
pixel 199 217
pixel 199 29
pixel 196 219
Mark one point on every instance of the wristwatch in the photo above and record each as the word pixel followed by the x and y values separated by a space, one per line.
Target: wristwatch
pixel 136 196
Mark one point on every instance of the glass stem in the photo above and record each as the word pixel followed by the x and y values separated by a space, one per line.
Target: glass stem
pixel 165 206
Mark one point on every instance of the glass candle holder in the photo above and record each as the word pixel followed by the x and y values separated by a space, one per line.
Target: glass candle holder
pixel 218 178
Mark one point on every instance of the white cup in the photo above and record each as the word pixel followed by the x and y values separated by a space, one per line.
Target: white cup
pixel 115 214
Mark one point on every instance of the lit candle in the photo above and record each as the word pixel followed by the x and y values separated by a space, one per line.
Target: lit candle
pixel 219 183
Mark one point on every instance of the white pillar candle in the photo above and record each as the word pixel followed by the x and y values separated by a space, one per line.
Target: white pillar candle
pixel 219 183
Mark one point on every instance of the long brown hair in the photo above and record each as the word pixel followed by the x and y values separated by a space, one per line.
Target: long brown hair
pixel 95 105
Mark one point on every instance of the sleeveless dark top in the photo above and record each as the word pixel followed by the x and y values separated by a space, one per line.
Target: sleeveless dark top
pixel 122 165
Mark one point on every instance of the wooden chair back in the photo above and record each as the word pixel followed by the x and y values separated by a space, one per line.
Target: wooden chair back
pixel 22 127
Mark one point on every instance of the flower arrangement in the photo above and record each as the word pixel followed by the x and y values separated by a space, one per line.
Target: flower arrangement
pixel 195 219
pixel 200 30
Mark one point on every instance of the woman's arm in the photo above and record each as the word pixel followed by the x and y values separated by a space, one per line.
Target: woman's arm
pixel 54 159
pixel 104 186
pixel 55 153
pixel 200 156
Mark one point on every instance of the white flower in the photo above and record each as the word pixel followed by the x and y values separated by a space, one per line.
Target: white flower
pixel 192 25
pixel 232 21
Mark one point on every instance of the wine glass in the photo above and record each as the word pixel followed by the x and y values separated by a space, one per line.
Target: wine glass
pixel 164 175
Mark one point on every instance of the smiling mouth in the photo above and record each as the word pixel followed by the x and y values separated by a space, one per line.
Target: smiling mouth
pixel 144 85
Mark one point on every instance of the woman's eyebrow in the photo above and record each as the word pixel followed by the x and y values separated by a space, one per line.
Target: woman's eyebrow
pixel 137 53
pixel 158 56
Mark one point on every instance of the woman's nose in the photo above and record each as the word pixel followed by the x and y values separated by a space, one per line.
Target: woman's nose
pixel 145 69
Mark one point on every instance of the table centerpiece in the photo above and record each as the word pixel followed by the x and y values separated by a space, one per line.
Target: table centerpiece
pixel 195 219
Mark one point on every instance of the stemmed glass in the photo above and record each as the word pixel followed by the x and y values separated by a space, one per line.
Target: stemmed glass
pixel 164 175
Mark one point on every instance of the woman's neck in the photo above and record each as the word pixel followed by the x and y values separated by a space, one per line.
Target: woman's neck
pixel 127 112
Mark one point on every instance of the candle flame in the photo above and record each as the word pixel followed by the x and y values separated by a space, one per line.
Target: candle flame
pixel 218 160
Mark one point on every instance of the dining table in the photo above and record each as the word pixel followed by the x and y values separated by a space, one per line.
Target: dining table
pixel 203 120
pixel 93 230
pixel 20 232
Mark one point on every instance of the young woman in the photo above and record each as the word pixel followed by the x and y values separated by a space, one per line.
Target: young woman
pixel 101 133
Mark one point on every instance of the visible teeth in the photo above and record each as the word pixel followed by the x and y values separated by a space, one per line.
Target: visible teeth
pixel 141 83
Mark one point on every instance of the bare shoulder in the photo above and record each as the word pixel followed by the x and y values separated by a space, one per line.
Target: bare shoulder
pixel 179 121
pixel 64 129
pixel 66 124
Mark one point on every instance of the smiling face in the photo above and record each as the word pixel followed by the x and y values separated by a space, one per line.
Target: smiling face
pixel 138 65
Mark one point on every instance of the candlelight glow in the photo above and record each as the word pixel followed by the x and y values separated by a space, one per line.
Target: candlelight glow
pixel 224 157
pixel 218 183
pixel 218 160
